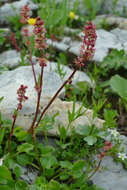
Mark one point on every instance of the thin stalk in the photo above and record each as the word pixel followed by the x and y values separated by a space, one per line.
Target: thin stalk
pixel 53 98
pixel 30 54
pixel 96 169
pixel 12 129
pixel 38 102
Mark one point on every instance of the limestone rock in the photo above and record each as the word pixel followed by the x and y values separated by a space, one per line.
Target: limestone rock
pixel 10 58
pixel 109 6
pixel 111 175
pixel 62 108
pixel 13 9
pixel 120 34
pixel 78 77
pixel 101 46
pixel 120 22
pixel 11 80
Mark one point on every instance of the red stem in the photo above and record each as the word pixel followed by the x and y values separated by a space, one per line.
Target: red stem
pixel 30 54
pixel 96 169
pixel 53 98
pixel 38 102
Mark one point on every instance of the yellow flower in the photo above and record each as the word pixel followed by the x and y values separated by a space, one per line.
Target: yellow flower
pixel 72 15
pixel 31 21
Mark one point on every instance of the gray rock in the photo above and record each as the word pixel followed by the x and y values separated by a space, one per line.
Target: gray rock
pixel 105 41
pixel 78 77
pixel 11 80
pixel 102 47
pixel 10 58
pixel 5 31
pixel 58 45
pixel 120 34
pixel 13 9
pixel 110 7
pixel 111 20
pixel 111 175
pixel 29 174
pixel 62 108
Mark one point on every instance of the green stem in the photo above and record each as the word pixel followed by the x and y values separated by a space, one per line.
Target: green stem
pixel 12 129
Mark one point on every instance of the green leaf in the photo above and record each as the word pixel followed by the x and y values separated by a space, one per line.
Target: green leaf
pixel 5 175
pixel 64 176
pixel 26 147
pixel 20 185
pixel 90 140
pixel 62 131
pixel 101 134
pixel 5 187
pixel 83 130
pixel 54 185
pixel 2 133
pixel 48 161
pixel 66 164
pixel 20 133
pixel 1 98
pixel 45 149
pixel 24 159
pixel 77 169
pixel 17 172
pixel 119 85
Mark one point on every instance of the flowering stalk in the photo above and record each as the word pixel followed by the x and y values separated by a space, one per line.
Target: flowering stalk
pixel 39 31
pixel 21 98
pixel 86 53
pixel 25 18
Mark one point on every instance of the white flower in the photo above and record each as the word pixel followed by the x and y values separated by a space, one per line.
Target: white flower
pixel 114 132
pixel 122 156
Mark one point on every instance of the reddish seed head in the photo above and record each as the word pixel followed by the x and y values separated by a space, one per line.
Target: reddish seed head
pixel 39 31
pixel 87 49
pixel 21 96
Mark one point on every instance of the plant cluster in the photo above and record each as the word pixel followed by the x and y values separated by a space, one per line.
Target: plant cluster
pixel 77 153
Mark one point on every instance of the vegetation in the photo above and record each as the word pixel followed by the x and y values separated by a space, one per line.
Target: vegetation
pixel 76 153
